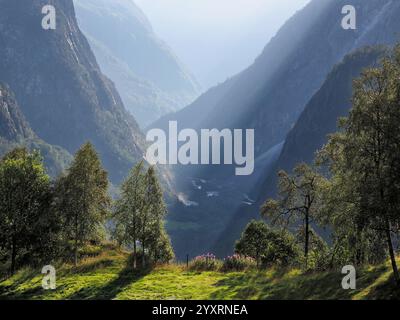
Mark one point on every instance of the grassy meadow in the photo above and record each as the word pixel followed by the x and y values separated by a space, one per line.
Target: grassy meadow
pixel 107 274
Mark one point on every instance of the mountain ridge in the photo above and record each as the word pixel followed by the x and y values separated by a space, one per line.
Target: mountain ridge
pixel 271 94
pixel 60 88
pixel 150 78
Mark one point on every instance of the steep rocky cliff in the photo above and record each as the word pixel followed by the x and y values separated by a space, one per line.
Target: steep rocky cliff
pixel 16 132
pixel 59 86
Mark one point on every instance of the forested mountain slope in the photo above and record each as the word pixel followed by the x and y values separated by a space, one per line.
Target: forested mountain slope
pixel 321 115
pixel 60 88
pixel 15 131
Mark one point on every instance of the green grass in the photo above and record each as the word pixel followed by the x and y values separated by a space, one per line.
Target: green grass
pixel 109 276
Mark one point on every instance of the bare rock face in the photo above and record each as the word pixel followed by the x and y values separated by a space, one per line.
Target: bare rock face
pixel 16 132
pixel 59 86
pixel 12 122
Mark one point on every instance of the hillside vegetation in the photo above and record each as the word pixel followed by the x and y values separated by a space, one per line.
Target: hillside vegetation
pixel 106 274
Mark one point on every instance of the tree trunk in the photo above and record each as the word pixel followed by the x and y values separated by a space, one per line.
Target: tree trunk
pixel 134 255
pixel 76 241
pixel 392 255
pixel 76 252
pixel 144 256
pixel 13 255
pixel 307 236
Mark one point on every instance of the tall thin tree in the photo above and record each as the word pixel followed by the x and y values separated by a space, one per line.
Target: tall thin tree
pixel 298 200
pixel 82 197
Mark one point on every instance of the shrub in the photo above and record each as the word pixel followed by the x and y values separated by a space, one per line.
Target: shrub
pixel 205 262
pixel 282 249
pixel 238 263
pixel 267 246
pixel 161 250
pixel 89 250
pixel 319 255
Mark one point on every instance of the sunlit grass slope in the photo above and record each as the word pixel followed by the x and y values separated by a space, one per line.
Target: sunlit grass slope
pixel 108 275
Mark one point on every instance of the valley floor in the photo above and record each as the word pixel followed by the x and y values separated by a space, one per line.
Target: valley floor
pixel 107 276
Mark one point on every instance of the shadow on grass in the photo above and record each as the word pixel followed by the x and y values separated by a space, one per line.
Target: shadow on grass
pixel 388 290
pixel 7 291
pixel 111 289
pixel 318 286
pixel 25 295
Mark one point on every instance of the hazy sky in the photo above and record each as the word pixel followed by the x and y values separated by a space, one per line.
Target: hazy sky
pixel 218 38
